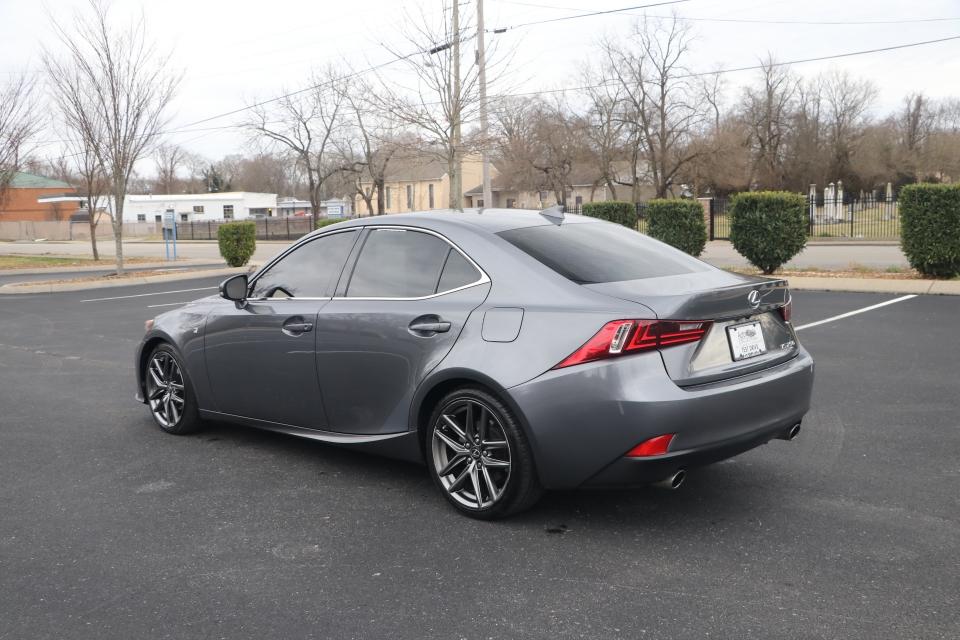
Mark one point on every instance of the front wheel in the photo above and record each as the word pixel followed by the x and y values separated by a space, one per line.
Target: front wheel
pixel 169 394
pixel 479 457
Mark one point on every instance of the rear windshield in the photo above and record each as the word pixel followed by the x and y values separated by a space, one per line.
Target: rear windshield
pixel 592 253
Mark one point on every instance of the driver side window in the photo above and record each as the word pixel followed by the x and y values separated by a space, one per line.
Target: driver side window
pixel 309 271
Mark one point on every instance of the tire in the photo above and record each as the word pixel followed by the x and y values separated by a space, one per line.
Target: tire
pixel 169 393
pixel 479 457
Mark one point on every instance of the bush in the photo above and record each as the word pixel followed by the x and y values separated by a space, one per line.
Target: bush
pixel 624 213
pixel 326 222
pixel 679 223
pixel 768 227
pixel 930 228
pixel 238 240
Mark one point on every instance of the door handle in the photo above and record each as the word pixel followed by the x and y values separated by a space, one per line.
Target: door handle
pixel 296 327
pixel 432 325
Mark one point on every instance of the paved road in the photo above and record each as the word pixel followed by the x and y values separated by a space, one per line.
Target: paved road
pixel 719 253
pixel 112 529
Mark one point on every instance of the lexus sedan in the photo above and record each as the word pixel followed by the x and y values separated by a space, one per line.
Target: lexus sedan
pixel 511 351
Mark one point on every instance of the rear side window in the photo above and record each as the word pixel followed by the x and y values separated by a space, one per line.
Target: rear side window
pixel 457 272
pixel 398 263
pixel 593 252
pixel 309 271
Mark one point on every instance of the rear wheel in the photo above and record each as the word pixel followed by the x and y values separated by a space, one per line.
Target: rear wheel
pixel 479 457
pixel 169 394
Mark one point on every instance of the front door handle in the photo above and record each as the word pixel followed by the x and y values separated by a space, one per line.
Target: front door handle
pixel 429 325
pixel 296 326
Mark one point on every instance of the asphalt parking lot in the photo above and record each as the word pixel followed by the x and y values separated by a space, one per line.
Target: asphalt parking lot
pixel 112 529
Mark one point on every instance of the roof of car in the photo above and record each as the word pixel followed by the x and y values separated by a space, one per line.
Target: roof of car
pixel 491 220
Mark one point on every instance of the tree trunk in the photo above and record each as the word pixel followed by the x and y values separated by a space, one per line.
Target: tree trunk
pixel 93 236
pixel 380 197
pixel 456 183
pixel 118 195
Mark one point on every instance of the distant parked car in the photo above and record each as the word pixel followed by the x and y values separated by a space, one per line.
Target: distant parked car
pixel 511 351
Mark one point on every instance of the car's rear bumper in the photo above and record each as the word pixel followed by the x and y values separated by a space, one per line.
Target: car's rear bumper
pixel 583 420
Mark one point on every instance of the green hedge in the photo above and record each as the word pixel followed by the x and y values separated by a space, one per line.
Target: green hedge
pixel 624 213
pixel 679 223
pixel 237 240
pixel 326 222
pixel 930 228
pixel 768 228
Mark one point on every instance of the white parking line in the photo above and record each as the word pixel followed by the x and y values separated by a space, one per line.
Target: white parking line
pixel 854 312
pixel 141 295
pixel 166 304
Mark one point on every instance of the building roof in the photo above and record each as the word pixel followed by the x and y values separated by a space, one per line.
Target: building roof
pixel 175 197
pixel 22 180
pixel 415 169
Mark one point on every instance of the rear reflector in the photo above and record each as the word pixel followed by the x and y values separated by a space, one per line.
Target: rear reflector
pixel 787 310
pixel 628 336
pixel 656 446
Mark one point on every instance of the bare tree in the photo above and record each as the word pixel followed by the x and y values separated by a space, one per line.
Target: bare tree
pixel 308 123
pixel 767 109
pixel 93 179
pixel 113 90
pixel 169 159
pixel 20 120
pixel 446 95
pixel 848 101
pixel 603 131
pixel 661 106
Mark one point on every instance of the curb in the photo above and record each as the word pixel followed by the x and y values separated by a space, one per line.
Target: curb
pixel 109 266
pixel 58 287
pixel 876 285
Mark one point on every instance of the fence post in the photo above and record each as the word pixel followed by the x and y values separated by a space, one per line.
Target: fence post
pixel 288 227
pixel 209 230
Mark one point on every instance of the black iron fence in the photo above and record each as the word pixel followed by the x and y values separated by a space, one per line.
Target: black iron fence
pixel 854 218
pixel 267 228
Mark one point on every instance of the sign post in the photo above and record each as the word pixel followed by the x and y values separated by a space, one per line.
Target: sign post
pixel 170 232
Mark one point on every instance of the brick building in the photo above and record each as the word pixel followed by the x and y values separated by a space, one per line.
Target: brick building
pixel 19 203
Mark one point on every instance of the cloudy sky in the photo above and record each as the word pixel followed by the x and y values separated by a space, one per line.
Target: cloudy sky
pixel 233 52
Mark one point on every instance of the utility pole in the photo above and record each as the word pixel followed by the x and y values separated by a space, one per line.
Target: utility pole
pixel 484 123
pixel 456 177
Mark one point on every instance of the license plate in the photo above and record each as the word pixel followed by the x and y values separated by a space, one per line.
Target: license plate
pixel 746 340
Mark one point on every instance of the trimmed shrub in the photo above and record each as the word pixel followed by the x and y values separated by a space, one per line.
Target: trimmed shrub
pixel 679 223
pixel 930 228
pixel 237 240
pixel 768 227
pixel 326 222
pixel 624 213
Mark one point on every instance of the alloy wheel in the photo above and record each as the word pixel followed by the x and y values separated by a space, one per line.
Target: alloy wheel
pixel 165 389
pixel 471 453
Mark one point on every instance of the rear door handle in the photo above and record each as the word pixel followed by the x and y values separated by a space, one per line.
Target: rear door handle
pixel 433 325
pixel 296 326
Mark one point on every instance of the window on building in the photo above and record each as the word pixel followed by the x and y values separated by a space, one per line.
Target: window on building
pixel 579 201
pixel 198 208
pixel 410 197
pixel 388 199
pixel 141 217
pixel 184 217
pixel 480 202
pixel 158 218
pixel 511 203
pixel 430 195
pixel 228 212
pixel 311 270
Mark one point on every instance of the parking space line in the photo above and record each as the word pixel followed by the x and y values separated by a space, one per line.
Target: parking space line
pixel 166 304
pixel 141 295
pixel 854 312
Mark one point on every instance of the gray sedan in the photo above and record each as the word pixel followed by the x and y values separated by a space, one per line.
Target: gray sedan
pixel 512 351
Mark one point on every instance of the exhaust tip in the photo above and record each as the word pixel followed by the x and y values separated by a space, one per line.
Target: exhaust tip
pixel 672 482
pixel 794 431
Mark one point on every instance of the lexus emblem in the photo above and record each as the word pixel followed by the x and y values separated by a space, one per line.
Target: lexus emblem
pixel 754 299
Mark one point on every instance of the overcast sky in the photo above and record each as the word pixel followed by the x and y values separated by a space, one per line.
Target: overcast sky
pixel 235 51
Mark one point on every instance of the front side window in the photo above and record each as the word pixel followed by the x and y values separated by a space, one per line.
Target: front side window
pixel 400 263
pixel 309 271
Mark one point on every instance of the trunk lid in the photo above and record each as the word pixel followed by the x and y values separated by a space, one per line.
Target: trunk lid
pixel 727 300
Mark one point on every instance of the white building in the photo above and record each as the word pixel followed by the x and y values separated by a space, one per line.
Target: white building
pixel 199 207
pixel 333 208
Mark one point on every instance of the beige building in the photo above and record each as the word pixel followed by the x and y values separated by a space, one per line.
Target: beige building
pixel 418 184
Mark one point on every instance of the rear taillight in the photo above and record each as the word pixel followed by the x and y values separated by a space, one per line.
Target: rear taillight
pixel 620 337
pixel 787 310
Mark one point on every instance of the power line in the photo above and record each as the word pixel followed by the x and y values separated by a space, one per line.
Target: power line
pixel 746 20
pixel 586 15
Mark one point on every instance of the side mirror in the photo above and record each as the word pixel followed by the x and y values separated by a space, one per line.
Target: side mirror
pixel 234 288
